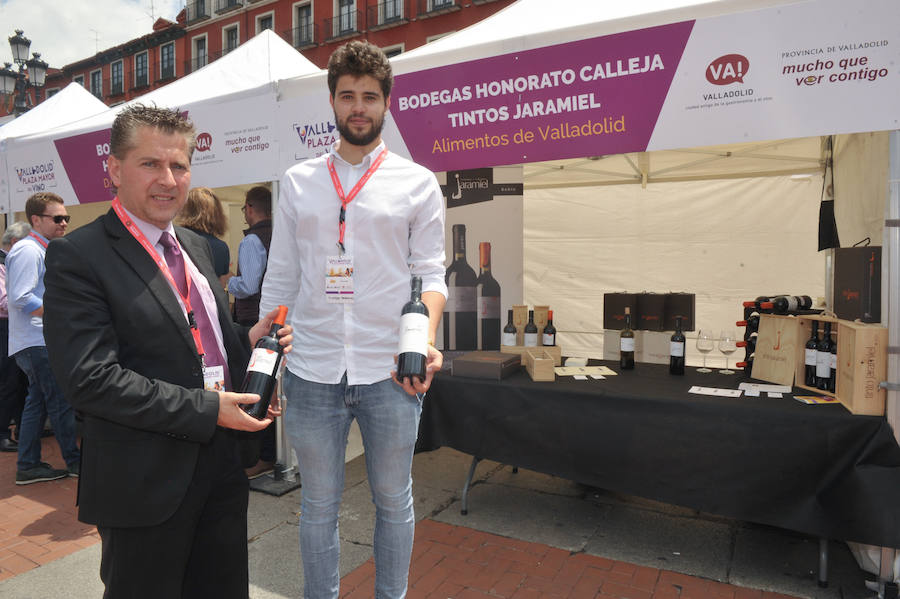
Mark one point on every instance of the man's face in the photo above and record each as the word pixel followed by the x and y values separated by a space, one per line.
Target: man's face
pixel 359 108
pixel 44 224
pixel 154 176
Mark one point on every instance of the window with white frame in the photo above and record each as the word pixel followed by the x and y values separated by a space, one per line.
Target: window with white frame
pixel 116 78
pixel 303 25
pixel 79 79
pixel 266 21
pixel 200 56
pixel 346 16
pixel 230 37
pixel 97 83
pixel 141 75
pixel 392 51
pixel 167 61
pixel 390 10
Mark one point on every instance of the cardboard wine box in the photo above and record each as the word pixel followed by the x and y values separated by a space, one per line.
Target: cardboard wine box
pixel 611 345
pixel 539 364
pixel 651 311
pixel 679 304
pixel 486 365
pixel 778 346
pixel 655 347
pixel 614 305
pixel 857 283
pixel 520 319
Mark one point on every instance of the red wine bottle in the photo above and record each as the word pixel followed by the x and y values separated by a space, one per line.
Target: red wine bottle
pixel 413 352
pixel 263 368
pixel 832 378
pixel 531 332
pixel 549 333
pixel 460 320
pixel 676 349
pixel 509 331
pixel 785 304
pixel 809 378
pixel 487 294
pixel 823 359
pixel 626 344
pixel 747 365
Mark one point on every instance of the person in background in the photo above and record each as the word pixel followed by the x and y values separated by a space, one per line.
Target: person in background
pixel 25 270
pixel 380 217
pixel 139 332
pixel 203 214
pixel 253 253
pixel 13 382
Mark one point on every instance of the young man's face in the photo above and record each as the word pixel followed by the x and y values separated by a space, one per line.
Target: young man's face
pixel 359 107
pixel 154 176
pixel 45 224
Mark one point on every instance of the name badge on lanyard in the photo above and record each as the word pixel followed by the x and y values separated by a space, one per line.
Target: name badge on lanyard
pixel 339 269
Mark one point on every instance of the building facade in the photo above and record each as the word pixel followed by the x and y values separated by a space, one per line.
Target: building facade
pixel 208 29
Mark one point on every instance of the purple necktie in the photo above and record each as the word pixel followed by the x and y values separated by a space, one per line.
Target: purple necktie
pixel 175 261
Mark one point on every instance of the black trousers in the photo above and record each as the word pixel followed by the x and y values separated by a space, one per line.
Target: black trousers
pixel 13 384
pixel 198 553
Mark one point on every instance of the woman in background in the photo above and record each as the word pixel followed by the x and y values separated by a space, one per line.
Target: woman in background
pixel 203 214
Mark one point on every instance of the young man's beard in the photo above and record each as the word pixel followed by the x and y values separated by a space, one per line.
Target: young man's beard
pixel 359 140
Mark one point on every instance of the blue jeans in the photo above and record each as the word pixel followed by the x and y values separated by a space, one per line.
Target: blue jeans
pixel 44 398
pixel 317 419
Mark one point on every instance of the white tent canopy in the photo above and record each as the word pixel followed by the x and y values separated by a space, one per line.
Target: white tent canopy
pixel 71 104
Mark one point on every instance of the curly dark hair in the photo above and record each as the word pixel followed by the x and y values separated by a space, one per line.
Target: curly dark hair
pixel 135 116
pixel 359 58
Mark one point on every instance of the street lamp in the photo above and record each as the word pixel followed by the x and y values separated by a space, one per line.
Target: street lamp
pixel 32 72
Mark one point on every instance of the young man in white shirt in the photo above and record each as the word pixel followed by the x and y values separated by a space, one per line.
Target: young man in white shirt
pixel 389 226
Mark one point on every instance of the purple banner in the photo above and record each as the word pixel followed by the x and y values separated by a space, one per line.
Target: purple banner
pixel 84 159
pixel 587 98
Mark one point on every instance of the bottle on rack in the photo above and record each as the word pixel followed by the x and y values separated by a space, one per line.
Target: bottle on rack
pixel 751 325
pixel 760 305
pixel 509 331
pixel 812 345
pixel 747 365
pixel 549 334
pixel 676 349
pixel 626 344
pixel 785 304
pixel 823 359
pixel 487 294
pixel 460 322
pixel 413 351
pixel 832 378
pixel 749 344
pixel 262 371
pixel 531 332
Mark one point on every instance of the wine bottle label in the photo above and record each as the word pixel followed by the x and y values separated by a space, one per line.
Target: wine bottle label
pixel 834 361
pixel 793 303
pixel 413 334
pixel 626 343
pixel 461 299
pixel 488 307
pixel 263 360
pixel 811 357
pixel 549 339
pixel 531 339
pixel 509 339
pixel 823 364
pixel 676 349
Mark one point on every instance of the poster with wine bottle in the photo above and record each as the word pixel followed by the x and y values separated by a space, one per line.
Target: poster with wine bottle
pixel 484 255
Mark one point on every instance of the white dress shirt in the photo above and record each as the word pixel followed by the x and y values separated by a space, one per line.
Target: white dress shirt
pixel 394 229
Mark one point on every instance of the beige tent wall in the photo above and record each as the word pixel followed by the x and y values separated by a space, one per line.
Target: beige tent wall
pixel 860 173
pixel 724 240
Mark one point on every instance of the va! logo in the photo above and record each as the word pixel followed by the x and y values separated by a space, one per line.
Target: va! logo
pixel 727 69
pixel 204 142
pixel 304 131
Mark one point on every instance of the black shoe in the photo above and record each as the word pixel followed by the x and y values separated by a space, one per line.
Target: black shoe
pixel 8 445
pixel 40 473
pixel 74 470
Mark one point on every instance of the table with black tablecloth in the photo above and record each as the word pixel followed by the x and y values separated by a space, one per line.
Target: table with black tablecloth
pixel 815 469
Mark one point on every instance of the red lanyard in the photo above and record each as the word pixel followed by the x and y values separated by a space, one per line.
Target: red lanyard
pixel 164 268
pixel 38 239
pixel 347 199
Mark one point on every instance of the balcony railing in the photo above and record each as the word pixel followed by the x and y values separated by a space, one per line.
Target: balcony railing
pixel 431 8
pixel 387 13
pixel 116 88
pixel 197 10
pixel 343 25
pixel 227 5
pixel 197 62
pixel 303 36
pixel 165 71
pixel 141 80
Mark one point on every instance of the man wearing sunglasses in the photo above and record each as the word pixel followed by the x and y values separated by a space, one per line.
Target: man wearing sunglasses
pixel 25 291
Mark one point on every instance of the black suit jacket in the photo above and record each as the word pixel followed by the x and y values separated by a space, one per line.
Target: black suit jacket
pixel 121 350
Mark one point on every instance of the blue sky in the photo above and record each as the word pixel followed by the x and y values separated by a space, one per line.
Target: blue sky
pixel 64 31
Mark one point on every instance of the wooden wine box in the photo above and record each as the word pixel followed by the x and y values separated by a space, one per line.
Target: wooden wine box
pixel 861 357
pixel 554 351
pixel 485 365
pixel 539 363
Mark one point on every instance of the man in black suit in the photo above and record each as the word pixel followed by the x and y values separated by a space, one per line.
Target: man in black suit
pixel 140 337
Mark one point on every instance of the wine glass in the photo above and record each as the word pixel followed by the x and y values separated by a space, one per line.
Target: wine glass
pixel 727 345
pixel 705 344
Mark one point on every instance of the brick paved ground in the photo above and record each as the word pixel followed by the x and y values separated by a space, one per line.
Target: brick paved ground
pixel 462 563
pixel 37 521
